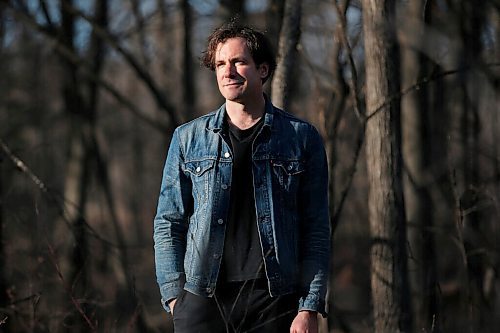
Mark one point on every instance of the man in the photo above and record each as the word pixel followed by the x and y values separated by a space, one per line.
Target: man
pixel 242 230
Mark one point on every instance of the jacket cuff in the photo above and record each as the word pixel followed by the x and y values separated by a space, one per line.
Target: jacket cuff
pixel 313 303
pixel 169 291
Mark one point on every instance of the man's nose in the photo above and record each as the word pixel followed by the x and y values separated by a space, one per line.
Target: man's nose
pixel 229 70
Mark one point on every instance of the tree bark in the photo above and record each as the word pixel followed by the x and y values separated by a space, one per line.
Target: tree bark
pixel 471 22
pixel 188 89
pixel 389 279
pixel 274 20
pixel 4 300
pixel 417 161
pixel 287 52
pixel 77 172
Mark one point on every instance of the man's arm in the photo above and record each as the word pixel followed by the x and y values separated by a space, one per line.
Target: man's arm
pixel 171 224
pixel 314 242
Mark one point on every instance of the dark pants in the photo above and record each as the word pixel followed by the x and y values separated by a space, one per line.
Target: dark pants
pixel 236 307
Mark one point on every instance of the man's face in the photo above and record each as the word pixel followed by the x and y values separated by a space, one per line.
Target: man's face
pixel 238 77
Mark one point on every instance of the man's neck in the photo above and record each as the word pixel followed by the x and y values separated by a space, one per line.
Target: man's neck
pixel 246 115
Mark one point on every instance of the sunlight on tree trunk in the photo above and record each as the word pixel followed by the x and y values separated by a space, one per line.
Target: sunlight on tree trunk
pixel 287 52
pixel 389 283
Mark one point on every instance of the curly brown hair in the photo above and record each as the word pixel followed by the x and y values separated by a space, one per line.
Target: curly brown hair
pixel 257 43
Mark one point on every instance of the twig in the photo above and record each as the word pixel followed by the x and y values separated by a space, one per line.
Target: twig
pixel 345 191
pixel 421 82
pixel 86 70
pixel 23 168
pixel 353 82
pixel 56 198
pixel 75 302
pixel 159 96
pixel 25 299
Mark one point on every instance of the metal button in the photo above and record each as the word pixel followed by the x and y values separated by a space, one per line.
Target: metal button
pixel 198 169
pixel 224 186
pixel 220 221
pixel 227 155
pixel 290 167
pixel 216 256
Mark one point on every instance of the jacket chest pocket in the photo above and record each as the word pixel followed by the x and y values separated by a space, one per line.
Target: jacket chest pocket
pixel 287 174
pixel 201 173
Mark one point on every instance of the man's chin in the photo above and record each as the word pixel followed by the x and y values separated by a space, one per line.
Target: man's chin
pixel 233 98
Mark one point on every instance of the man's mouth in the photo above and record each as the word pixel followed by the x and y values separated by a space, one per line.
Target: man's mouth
pixel 233 84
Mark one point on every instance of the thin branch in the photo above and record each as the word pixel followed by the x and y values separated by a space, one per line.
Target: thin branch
pixel 86 70
pixel 24 299
pixel 353 82
pixel 422 82
pixel 45 10
pixel 76 303
pixel 24 168
pixel 158 95
pixel 55 198
pixel 139 19
pixel 345 191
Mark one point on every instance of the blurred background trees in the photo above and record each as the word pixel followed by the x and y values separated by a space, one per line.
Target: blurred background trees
pixel 90 92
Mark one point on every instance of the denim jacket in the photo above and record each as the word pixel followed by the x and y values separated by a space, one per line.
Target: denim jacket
pixel 291 197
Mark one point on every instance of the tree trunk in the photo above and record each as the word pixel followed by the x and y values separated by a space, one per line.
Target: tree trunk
pixel 289 39
pixel 141 33
pixel 4 299
pixel 471 19
pixel 77 170
pixel 188 89
pixel 274 20
pixel 417 159
pixel 77 173
pixel 332 115
pixel 389 280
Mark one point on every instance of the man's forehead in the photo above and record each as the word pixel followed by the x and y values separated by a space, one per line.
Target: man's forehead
pixel 238 46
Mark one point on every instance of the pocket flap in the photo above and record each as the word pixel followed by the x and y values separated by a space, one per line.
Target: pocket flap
pixel 198 168
pixel 290 167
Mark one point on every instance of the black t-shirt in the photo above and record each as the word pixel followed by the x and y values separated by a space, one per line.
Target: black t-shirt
pixel 242 258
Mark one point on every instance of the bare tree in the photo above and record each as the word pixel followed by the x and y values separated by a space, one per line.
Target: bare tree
pixel 274 20
pixel 78 164
pixel 389 283
pixel 287 52
pixel 188 93
pixel 3 282
pixel 471 24
pixel 417 161
pixel 4 299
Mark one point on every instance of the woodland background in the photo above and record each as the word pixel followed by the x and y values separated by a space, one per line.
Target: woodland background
pixel 404 92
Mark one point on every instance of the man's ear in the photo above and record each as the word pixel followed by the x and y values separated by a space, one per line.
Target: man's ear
pixel 264 70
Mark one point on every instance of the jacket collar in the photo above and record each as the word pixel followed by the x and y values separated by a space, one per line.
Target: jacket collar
pixel 216 122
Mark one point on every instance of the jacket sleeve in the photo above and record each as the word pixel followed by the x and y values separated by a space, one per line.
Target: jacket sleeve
pixel 314 227
pixel 171 224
